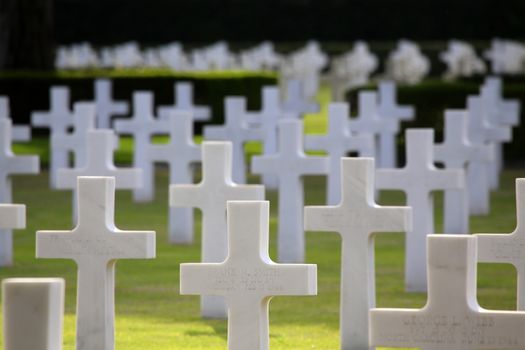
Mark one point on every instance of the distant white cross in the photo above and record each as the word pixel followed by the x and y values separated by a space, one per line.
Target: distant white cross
pixel 184 103
pixel 248 278
pixel 509 248
pixel 356 219
pixel 99 162
pixel 84 115
pixel 58 120
pixel 480 132
pixel 289 165
pixel 337 143
pixel 143 126
pixel 236 131
pixel 20 133
pixel 389 109
pixel 95 244
pixel 106 106
pixel 419 179
pixel 210 196
pixel 452 318
pixel 181 154
pixel 457 152
pixel 369 122
pixel 10 164
pixel 295 102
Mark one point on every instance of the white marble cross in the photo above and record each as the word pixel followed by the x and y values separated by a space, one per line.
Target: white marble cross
pixel 99 162
pixel 480 133
pixel 10 164
pixel 84 115
pixel 33 313
pixel 337 143
pixel 184 103
pixel 418 179
pixel 509 248
pixel 452 318
pixel 356 219
pixel 457 152
pixel 95 244
pixel 181 154
pixel 12 216
pixel 106 106
pixel 19 132
pixel 369 122
pixel 58 120
pixel 210 196
pixel 290 164
pixel 143 126
pixel 295 102
pixel 236 131
pixel 389 109
pixel 248 278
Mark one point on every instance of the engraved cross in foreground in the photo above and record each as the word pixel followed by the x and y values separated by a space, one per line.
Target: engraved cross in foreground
pixel 248 278
pixel 452 318
pixel 95 244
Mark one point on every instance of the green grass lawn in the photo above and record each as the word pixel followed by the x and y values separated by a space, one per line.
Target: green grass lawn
pixel 150 312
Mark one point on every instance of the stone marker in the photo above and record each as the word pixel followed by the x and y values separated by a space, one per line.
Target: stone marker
pixel 290 164
pixel 181 154
pixel 11 164
pixel 84 115
pixel 356 219
pixel 58 120
pixel 337 143
pixel 95 244
pixel 457 152
pixel 389 109
pixel 106 106
pixel 248 278
pixel 99 162
pixel 142 126
pixel 33 311
pixel 418 179
pixel 184 103
pixel 509 248
pixel 236 131
pixel 452 318
pixel 210 196
pixel 20 133
pixel 480 133
pixel 295 102
pixel 368 121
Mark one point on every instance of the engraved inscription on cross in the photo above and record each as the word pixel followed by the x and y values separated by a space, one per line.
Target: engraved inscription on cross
pixel 389 109
pixel 457 152
pixel 248 278
pixel 289 165
pixel 142 126
pixel 452 318
pixel 509 248
pixel 356 219
pixel 184 103
pixel 418 179
pixel 180 153
pixel 106 106
pixel 95 244
pixel 58 120
pixel 236 131
pixel 337 143
pixel 210 196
